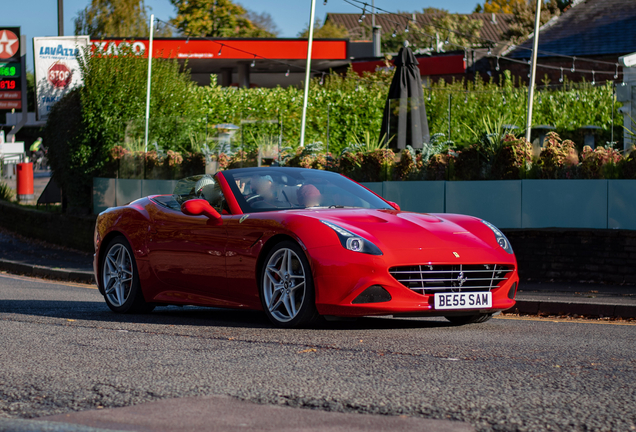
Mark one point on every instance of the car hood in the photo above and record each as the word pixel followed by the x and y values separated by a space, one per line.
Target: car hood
pixel 405 230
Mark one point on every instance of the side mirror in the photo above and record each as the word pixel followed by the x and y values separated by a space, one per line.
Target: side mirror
pixel 395 205
pixel 198 207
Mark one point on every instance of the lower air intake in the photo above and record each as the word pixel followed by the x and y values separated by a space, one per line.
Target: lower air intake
pixel 373 294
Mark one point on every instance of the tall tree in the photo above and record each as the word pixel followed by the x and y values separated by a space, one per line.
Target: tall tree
pixel 215 18
pixel 524 14
pixel 328 30
pixel 112 18
pixel 498 6
pixel 508 6
pixel 445 32
pixel 263 20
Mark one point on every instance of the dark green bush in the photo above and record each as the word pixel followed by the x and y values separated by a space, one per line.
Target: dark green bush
pixel 108 111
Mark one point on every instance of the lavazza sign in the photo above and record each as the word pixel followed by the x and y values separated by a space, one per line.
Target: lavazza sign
pixel 57 69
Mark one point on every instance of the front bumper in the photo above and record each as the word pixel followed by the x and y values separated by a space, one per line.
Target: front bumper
pixel 340 276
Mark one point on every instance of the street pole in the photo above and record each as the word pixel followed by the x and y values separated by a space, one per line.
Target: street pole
pixel 303 123
pixel 533 71
pixel 152 25
pixel 60 17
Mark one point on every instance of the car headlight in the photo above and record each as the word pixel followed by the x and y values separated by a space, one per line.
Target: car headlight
pixel 352 241
pixel 500 237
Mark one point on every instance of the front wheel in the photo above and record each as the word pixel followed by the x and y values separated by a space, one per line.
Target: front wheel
pixel 469 319
pixel 120 279
pixel 287 287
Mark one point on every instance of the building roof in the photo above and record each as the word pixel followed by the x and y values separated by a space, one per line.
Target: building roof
pixel 590 27
pixel 494 25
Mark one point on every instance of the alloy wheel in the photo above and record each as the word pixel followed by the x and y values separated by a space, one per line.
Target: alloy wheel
pixel 284 285
pixel 118 275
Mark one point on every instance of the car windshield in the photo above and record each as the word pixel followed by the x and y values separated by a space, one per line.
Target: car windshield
pixel 266 189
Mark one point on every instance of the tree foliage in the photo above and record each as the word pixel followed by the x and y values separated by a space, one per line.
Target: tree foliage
pixel 524 14
pixel 264 21
pixel 328 30
pixel 498 6
pixel 524 17
pixel 508 6
pixel 115 18
pixel 215 18
pixel 446 32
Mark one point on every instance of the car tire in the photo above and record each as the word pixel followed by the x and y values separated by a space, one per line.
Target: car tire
pixel 120 279
pixel 287 294
pixel 469 319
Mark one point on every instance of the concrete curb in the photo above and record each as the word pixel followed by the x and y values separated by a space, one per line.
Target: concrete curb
pixel 571 308
pixel 17 267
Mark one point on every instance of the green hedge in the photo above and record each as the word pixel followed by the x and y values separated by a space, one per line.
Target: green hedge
pixel 355 109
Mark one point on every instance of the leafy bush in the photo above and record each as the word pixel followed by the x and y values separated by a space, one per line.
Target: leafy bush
pixel 153 164
pixel 513 160
pixel 6 193
pixel 557 157
pixel 114 101
pixel 600 163
pixel 88 123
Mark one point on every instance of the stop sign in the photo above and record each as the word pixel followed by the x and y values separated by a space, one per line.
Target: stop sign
pixel 59 75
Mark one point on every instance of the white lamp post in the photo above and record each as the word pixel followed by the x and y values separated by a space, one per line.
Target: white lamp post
pixel 152 22
pixel 303 122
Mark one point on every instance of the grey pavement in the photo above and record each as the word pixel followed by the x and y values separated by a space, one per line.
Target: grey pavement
pixel 227 414
pixel 223 414
pixel 19 255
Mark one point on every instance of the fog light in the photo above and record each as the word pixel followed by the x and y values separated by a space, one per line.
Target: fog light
pixel 513 291
pixel 373 294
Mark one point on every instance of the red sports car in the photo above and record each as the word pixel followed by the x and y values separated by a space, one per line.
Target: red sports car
pixel 299 244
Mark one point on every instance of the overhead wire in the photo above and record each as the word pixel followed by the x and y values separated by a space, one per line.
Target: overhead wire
pixel 490 41
pixel 324 74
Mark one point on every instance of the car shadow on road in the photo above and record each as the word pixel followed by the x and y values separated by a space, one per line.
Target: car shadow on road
pixel 197 316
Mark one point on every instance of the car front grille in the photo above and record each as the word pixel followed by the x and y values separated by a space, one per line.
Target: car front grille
pixel 429 279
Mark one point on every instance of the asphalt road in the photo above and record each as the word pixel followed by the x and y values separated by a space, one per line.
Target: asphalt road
pixel 63 350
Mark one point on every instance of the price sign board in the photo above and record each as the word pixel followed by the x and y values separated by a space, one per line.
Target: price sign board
pixel 10 69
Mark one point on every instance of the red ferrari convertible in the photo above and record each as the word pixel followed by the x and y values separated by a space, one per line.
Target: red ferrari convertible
pixel 299 244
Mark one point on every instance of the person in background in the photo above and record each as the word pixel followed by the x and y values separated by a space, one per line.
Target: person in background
pixel 37 152
pixel 308 195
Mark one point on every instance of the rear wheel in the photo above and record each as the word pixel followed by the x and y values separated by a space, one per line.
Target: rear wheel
pixel 287 287
pixel 120 279
pixel 469 319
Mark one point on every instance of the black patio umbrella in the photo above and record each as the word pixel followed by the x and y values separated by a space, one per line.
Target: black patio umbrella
pixel 404 121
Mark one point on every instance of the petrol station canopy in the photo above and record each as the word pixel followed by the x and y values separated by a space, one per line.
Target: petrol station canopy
pixel 241 62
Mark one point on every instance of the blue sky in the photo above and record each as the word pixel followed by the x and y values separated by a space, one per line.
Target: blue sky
pixel 39 17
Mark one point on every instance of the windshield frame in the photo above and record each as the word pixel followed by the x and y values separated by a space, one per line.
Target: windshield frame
pixel 284 178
